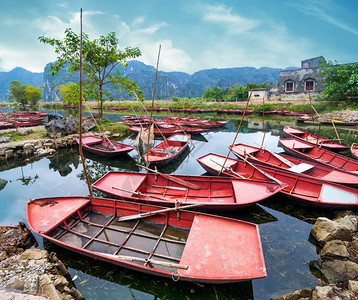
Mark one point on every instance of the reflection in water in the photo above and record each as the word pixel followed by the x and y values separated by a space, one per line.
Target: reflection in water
pixel 3 183
pixel 62 161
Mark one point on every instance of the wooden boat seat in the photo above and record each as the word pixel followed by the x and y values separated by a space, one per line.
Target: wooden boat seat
pixel 301 168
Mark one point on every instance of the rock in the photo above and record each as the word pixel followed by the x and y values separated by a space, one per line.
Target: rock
pixel 15 284
pixel 335 248
pixel 353 286
pixel 5 139
pixel 338 270
pixel 325 230
pixel 60 282
pixel 36 254
pixel 24 131
pixel 348 221
pixel 48 289
pixel 28 146
pixel 9 153
pixel 58 127
pixel 305 293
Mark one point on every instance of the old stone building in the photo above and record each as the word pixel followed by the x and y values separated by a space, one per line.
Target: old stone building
pixel 295 84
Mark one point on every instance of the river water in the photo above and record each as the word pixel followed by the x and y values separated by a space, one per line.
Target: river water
pixel 284 227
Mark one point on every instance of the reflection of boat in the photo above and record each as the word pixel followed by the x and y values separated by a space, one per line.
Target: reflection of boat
pixel 167 150
pixel 169 244
pixel 323 156
pixel 301 135
pixel 293 164
pixel 308 190
pixel 217 193
pixel 104 147
pixel 354 150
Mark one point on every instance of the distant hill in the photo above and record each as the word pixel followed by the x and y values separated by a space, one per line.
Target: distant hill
pixel 169 84
pixel 20 74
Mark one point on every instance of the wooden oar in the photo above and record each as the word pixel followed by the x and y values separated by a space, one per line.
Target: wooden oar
pixel 151 213
pixel 148 261
pixel 141 194
pixel 228 169
pixel 262 172
pixel 173 178
pixel 278 156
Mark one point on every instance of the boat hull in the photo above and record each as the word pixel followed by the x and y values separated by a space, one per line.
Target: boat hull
pixel 319 155
pixel 216 193
pixel 104 147
pixel 307 190
pixel 168 150
pixel 183 245
pixel 305 136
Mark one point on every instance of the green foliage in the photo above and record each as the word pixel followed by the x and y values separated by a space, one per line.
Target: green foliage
pixel 24 94
pixel 215 94
pixel 236 93
pixel 340 80
pixel 100 57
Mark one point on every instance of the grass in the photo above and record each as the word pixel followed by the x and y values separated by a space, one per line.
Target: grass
pixel 34 135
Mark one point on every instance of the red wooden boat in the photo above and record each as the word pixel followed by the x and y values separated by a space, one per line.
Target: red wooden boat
pixel 104 147
pixel 301 135
pixel 306 189
pixel 310 168
pixel 354 150
pixel 168 150
pixel 323 156
pixel 217 193
pixel 179 244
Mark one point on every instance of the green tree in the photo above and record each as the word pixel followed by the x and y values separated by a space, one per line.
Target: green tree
pixel 100 58
pixel 24 93
pixel 33 95
pixel 215 93
pixel 340 81
pixel 18 92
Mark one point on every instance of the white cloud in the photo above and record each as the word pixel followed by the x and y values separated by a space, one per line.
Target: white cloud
pixel 223 16
pixel 324 10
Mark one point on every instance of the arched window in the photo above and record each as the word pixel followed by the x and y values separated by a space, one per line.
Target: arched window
pixel 289 86
pixel 309 85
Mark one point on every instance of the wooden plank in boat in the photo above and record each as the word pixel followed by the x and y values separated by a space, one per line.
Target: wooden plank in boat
pixel 222 248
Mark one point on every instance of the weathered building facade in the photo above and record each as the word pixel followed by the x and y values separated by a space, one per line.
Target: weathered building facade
pixel 295 84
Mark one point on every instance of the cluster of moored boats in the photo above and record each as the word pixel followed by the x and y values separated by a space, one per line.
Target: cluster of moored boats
pixel 22 119
pixel 158 223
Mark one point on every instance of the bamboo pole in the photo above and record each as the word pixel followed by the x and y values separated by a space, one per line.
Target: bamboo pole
pixel 237 132
pixel 80 143
pixel 151 111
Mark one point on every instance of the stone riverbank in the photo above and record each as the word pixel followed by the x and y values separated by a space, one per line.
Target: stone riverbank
pixel 31 273
pixel 337 244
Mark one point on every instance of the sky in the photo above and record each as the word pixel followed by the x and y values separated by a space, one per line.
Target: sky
pixel 194 34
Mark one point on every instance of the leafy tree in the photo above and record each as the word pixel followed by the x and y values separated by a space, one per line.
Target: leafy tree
pixel 33 95
pixel 24 93
pixel 340 81
pixel 215 93
pixel 18 92
pixel 100 58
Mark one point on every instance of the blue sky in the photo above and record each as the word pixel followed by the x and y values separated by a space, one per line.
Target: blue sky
pixel 194 34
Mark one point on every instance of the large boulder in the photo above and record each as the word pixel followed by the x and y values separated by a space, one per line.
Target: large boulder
pixel 325 230
pixel 339 270
pixel 58 127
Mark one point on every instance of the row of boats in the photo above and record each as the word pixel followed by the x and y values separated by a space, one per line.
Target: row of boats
pixel 22 119
pixel 158 223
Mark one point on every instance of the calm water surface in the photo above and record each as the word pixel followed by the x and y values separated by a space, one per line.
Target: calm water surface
pixel 284 228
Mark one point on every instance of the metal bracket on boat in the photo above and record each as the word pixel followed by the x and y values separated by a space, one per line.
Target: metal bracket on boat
pixel 177 208
pixel 175 276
